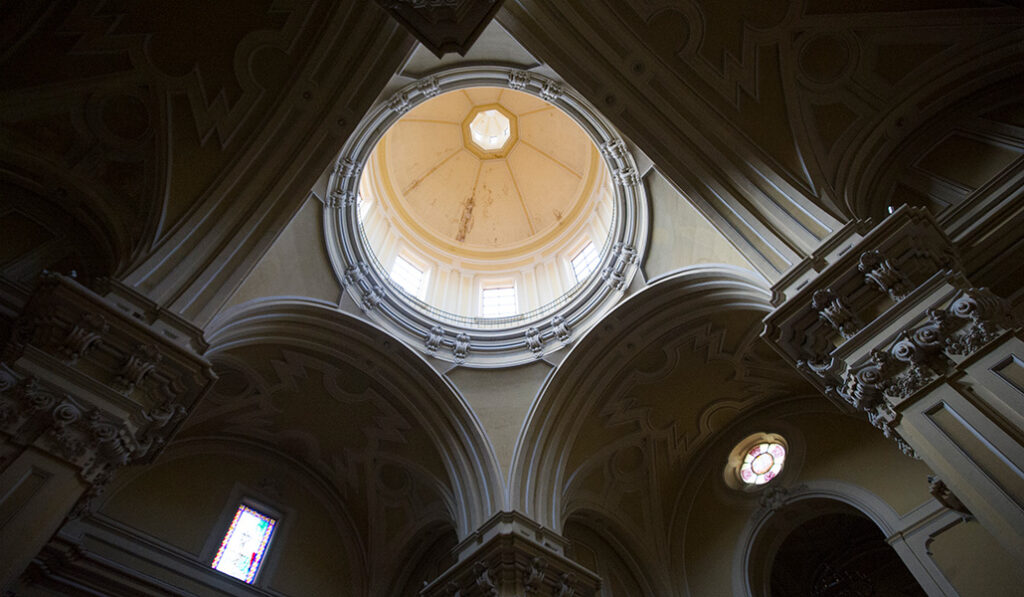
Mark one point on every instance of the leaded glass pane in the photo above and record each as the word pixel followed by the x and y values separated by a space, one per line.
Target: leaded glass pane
pixel 762 463
pixel 245 544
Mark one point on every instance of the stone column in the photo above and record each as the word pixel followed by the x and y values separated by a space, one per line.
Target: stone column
pixel 884 321
pixel 512 556
pixel 88 384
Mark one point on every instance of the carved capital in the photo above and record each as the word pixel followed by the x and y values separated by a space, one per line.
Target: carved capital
pixel 834 310
pixel 511 555
pixel 880 273
pixel 95 382
pixel 136 366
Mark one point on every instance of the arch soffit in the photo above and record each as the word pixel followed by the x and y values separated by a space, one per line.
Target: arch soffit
pixel 474 482
pixel 538 471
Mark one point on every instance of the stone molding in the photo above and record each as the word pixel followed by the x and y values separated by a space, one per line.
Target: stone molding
pixel 419 325
pixel 95 385
pixel 511 555
pixel 879 316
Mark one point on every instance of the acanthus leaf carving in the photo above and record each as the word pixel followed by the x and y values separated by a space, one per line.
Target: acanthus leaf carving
pixel 986 315
pixel 136 367
pixel 83 336
pixel 880 273
pixel 483 580
pixel 565 585
pixel 534 576
pixel 834 310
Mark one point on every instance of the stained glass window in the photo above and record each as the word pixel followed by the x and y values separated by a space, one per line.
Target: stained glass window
pixel 585 262
pixel 498 301
pixel 245 544
pixel 762 463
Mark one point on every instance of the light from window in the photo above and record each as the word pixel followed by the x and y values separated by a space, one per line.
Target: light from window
pixel 762 463
pixel 408 276
pixel 498 301
pixel 490 129
pixel 585 262
pixel 245 544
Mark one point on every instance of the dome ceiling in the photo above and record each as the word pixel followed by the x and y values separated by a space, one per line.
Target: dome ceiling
pixel 486 169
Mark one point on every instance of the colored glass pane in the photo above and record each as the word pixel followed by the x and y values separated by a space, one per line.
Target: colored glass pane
pixel 245 544
pixel 762 463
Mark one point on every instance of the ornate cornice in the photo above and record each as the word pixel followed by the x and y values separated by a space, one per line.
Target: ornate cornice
pixel 513 555
pixel 545 330
pixel 94 385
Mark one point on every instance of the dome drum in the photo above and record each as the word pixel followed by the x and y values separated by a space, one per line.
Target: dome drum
pixel 466 337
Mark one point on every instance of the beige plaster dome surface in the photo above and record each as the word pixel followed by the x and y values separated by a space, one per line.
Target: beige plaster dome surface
pixel 521 185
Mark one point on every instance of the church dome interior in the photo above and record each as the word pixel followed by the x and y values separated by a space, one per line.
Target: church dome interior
pixel 483 190
pixel 497 298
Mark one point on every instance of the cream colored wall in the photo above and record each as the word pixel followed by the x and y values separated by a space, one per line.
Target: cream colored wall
pixel 975 564
pixel 501 399
pixel 180 501
pixel 680 235
pixel 594 552
pixel 296 264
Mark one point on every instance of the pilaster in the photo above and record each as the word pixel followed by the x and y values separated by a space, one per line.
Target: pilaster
pixel 88 384
pixel 884 322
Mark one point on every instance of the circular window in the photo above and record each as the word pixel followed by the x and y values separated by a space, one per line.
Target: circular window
pixel 755 461
pixel 762 463
pixel 486 216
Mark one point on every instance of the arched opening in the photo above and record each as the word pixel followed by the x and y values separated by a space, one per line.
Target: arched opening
pixel 833 550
